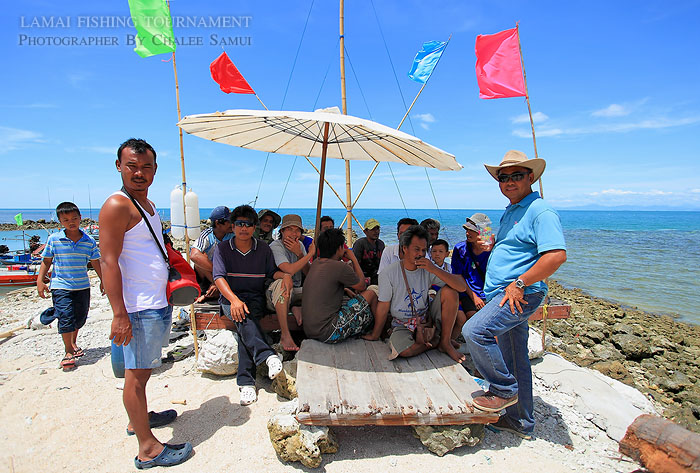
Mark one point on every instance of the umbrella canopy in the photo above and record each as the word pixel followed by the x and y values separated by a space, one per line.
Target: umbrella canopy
pixel 323 133
pixel 301 134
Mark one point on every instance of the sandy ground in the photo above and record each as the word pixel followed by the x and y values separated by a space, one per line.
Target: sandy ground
pixel 54 421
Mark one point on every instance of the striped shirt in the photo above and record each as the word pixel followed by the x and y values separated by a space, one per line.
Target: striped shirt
pixel 207 241
pixel 70 260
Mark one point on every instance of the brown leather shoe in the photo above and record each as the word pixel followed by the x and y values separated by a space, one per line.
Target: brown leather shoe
pixel 491 403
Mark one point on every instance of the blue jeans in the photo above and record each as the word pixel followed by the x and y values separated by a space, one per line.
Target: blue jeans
pixel 150 331
pixel 505 364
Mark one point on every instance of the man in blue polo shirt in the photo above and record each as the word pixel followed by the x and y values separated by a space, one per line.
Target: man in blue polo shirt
pixel 69 250
pixel 529 248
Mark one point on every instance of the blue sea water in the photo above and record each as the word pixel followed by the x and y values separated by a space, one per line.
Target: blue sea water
pixel 647 259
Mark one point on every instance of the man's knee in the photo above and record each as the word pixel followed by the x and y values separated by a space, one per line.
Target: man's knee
pixel 475 332
pixel 447 294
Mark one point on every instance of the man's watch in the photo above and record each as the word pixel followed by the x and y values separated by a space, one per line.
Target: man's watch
pixel 520 284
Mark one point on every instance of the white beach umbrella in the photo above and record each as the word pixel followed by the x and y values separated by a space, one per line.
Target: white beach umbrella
pixel 323 134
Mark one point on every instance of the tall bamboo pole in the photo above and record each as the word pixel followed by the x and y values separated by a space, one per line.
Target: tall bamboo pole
pixel 348 192
pixel 193 323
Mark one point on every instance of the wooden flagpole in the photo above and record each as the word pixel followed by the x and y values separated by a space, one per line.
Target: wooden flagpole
pixel 193 324
pixel 527 99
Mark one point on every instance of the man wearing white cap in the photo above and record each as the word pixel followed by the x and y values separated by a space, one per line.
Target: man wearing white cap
pixel 529 248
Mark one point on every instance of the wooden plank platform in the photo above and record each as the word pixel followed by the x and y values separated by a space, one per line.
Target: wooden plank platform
pixel 556 309
pixel 355 383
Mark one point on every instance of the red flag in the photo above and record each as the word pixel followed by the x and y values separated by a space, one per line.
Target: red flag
pixel 227 76
pixel 499 71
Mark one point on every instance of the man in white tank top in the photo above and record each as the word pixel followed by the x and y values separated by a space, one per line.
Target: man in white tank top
pixel 135 276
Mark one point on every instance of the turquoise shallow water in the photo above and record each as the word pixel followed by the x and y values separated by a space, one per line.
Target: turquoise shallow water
pixel 650 260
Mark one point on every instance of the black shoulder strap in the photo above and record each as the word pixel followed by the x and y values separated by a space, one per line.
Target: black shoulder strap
pixel 148 224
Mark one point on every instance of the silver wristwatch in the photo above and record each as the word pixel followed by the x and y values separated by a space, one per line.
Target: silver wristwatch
pixel 519 284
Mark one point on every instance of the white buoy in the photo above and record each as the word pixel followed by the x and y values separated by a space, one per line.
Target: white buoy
pixel 177 214
pixel 194 228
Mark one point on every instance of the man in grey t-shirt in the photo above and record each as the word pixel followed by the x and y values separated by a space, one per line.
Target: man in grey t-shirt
pixel 408 300
pixel 291 258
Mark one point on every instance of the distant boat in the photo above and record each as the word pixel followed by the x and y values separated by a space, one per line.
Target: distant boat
pixel 14 276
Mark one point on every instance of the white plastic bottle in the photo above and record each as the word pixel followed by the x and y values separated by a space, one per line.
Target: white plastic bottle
pixel 194 228
pixel 177 214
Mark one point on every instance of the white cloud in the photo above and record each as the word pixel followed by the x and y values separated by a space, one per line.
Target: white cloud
pixel 612 110
pixel 425 117
pixel 14 138
pixel 651 124
pixel 537 117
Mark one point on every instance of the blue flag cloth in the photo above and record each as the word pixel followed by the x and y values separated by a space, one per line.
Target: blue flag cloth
pixel 426 60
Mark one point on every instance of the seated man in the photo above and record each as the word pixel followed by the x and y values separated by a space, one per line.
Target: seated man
pixel 241 266
pixel 392 253
pixel 403 291
pixel 469 260
pixel 433 227
pixel 292 258
pixel 268 221
pixel 368 250
pixel 326 317
pixel 202 251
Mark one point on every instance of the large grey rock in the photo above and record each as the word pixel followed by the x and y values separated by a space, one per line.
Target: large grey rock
pixel 441 439
pixel 606 352
pixel 218 354
pixel 632 346
pixel 303 443
pixel 285 384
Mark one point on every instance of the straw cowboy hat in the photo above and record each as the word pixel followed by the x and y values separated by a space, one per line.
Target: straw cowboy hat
pixel 518 158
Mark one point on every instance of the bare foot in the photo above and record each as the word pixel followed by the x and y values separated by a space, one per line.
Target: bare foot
pixel 370 337
pixel 454 354
pixel 455 343
pixel 288 344
pixel 296 310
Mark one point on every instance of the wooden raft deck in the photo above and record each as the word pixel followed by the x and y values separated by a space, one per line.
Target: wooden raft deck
pixel 355 383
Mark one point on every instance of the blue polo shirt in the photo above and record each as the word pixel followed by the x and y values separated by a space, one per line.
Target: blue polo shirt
pixel 527 229
pixel 70 260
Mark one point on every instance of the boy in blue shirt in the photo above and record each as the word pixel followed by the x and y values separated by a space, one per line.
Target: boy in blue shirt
pixel 69 251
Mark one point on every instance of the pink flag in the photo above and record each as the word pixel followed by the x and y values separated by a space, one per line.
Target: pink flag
pixel 227 76
pixel 499 71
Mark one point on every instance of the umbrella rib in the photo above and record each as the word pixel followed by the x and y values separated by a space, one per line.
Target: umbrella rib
pixel 400 144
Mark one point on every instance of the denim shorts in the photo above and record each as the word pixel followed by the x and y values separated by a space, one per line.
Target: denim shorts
pixel 150 331
pixel 70 308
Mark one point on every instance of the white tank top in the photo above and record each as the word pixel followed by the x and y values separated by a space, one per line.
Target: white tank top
pixel 144 272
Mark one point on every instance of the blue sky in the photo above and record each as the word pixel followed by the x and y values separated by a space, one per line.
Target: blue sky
pixel 613 88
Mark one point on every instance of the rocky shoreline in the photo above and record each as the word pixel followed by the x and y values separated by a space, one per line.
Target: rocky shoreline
pixel 655 354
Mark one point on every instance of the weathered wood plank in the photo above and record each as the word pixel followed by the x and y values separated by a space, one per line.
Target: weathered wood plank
pixel 359 388
pixel 556 309
pixel 317 379
pixel 459 381
pixel 477 417
pixel 442 399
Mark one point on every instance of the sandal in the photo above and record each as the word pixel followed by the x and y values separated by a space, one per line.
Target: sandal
pixel 170 456
pixel 248 395
pixel 274 366
pixel 158 419
pixel 68 363
pixel 78 352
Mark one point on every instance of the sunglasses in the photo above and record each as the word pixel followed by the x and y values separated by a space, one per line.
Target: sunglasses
pixel 515 177
pixel 243 223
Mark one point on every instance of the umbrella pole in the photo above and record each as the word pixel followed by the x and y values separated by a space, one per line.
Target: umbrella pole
pixel 348 192
pixel 321 178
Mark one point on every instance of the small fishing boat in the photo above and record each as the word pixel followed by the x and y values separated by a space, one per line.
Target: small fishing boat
pixel 18 277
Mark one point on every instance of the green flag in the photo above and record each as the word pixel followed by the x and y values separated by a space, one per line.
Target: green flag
pixel 154 26
pixel 18 219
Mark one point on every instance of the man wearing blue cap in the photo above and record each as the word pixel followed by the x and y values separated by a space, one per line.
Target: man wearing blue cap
pixel 202 251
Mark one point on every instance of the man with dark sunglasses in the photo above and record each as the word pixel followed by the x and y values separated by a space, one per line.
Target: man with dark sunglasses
pixel 529 248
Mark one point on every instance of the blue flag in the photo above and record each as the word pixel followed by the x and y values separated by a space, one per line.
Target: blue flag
pixel 426 60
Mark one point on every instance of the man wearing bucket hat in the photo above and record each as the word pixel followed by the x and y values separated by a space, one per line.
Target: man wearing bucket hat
pixel 529 247
pixel 292 258
pixel 267 222
pixel 469 258
pixel 202 251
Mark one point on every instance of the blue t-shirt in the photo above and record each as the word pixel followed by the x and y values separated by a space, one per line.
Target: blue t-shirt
pixel 70 260
pixel 471 267
pixel 527 229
